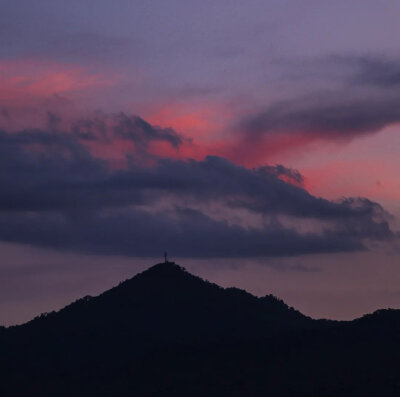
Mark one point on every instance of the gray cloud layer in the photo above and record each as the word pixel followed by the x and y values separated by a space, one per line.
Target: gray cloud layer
pixel 55 193
pixel 367 103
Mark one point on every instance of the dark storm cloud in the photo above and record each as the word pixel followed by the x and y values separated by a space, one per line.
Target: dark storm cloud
pixel 56 194
pixel 133 128
pixel 259 190
pixel 141 132
pixel 65 171
pixel 190 233
pixel 289 174
pixel 372 70
pixel 326 116
pixel 46 171
pixel 366 104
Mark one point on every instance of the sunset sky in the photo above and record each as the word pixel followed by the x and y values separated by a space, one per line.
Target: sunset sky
pixel 257 142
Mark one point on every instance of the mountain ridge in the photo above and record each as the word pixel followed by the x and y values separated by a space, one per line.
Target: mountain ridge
pixel 167 332
pixel 170 269
pixel 165 271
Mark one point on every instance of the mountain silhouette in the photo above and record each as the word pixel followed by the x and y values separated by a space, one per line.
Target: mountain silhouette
pixel 166 332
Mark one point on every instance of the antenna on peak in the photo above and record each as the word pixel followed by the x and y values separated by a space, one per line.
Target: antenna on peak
pixel 165 257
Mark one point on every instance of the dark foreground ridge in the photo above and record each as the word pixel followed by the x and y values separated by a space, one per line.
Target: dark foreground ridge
pixel 166 332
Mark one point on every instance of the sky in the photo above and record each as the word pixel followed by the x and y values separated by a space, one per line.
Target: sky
pixel 257 142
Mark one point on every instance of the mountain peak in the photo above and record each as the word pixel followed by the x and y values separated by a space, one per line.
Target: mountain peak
pixel 165 278
pixel 165 268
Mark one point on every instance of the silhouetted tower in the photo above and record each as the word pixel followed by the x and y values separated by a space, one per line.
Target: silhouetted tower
pixel 165 257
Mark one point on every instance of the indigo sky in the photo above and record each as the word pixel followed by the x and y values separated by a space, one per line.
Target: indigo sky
pixel 255 141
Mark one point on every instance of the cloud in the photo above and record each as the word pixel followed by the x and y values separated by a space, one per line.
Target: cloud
pixel 123 126
pixel 190 234
pixel 382 72
pixel 364 101
pixel 326 116
pixel 57 193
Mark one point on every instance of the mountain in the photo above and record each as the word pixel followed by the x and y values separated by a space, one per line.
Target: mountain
pixel 166 332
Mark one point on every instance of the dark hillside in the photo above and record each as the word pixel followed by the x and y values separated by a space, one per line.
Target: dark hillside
pixel 166 332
